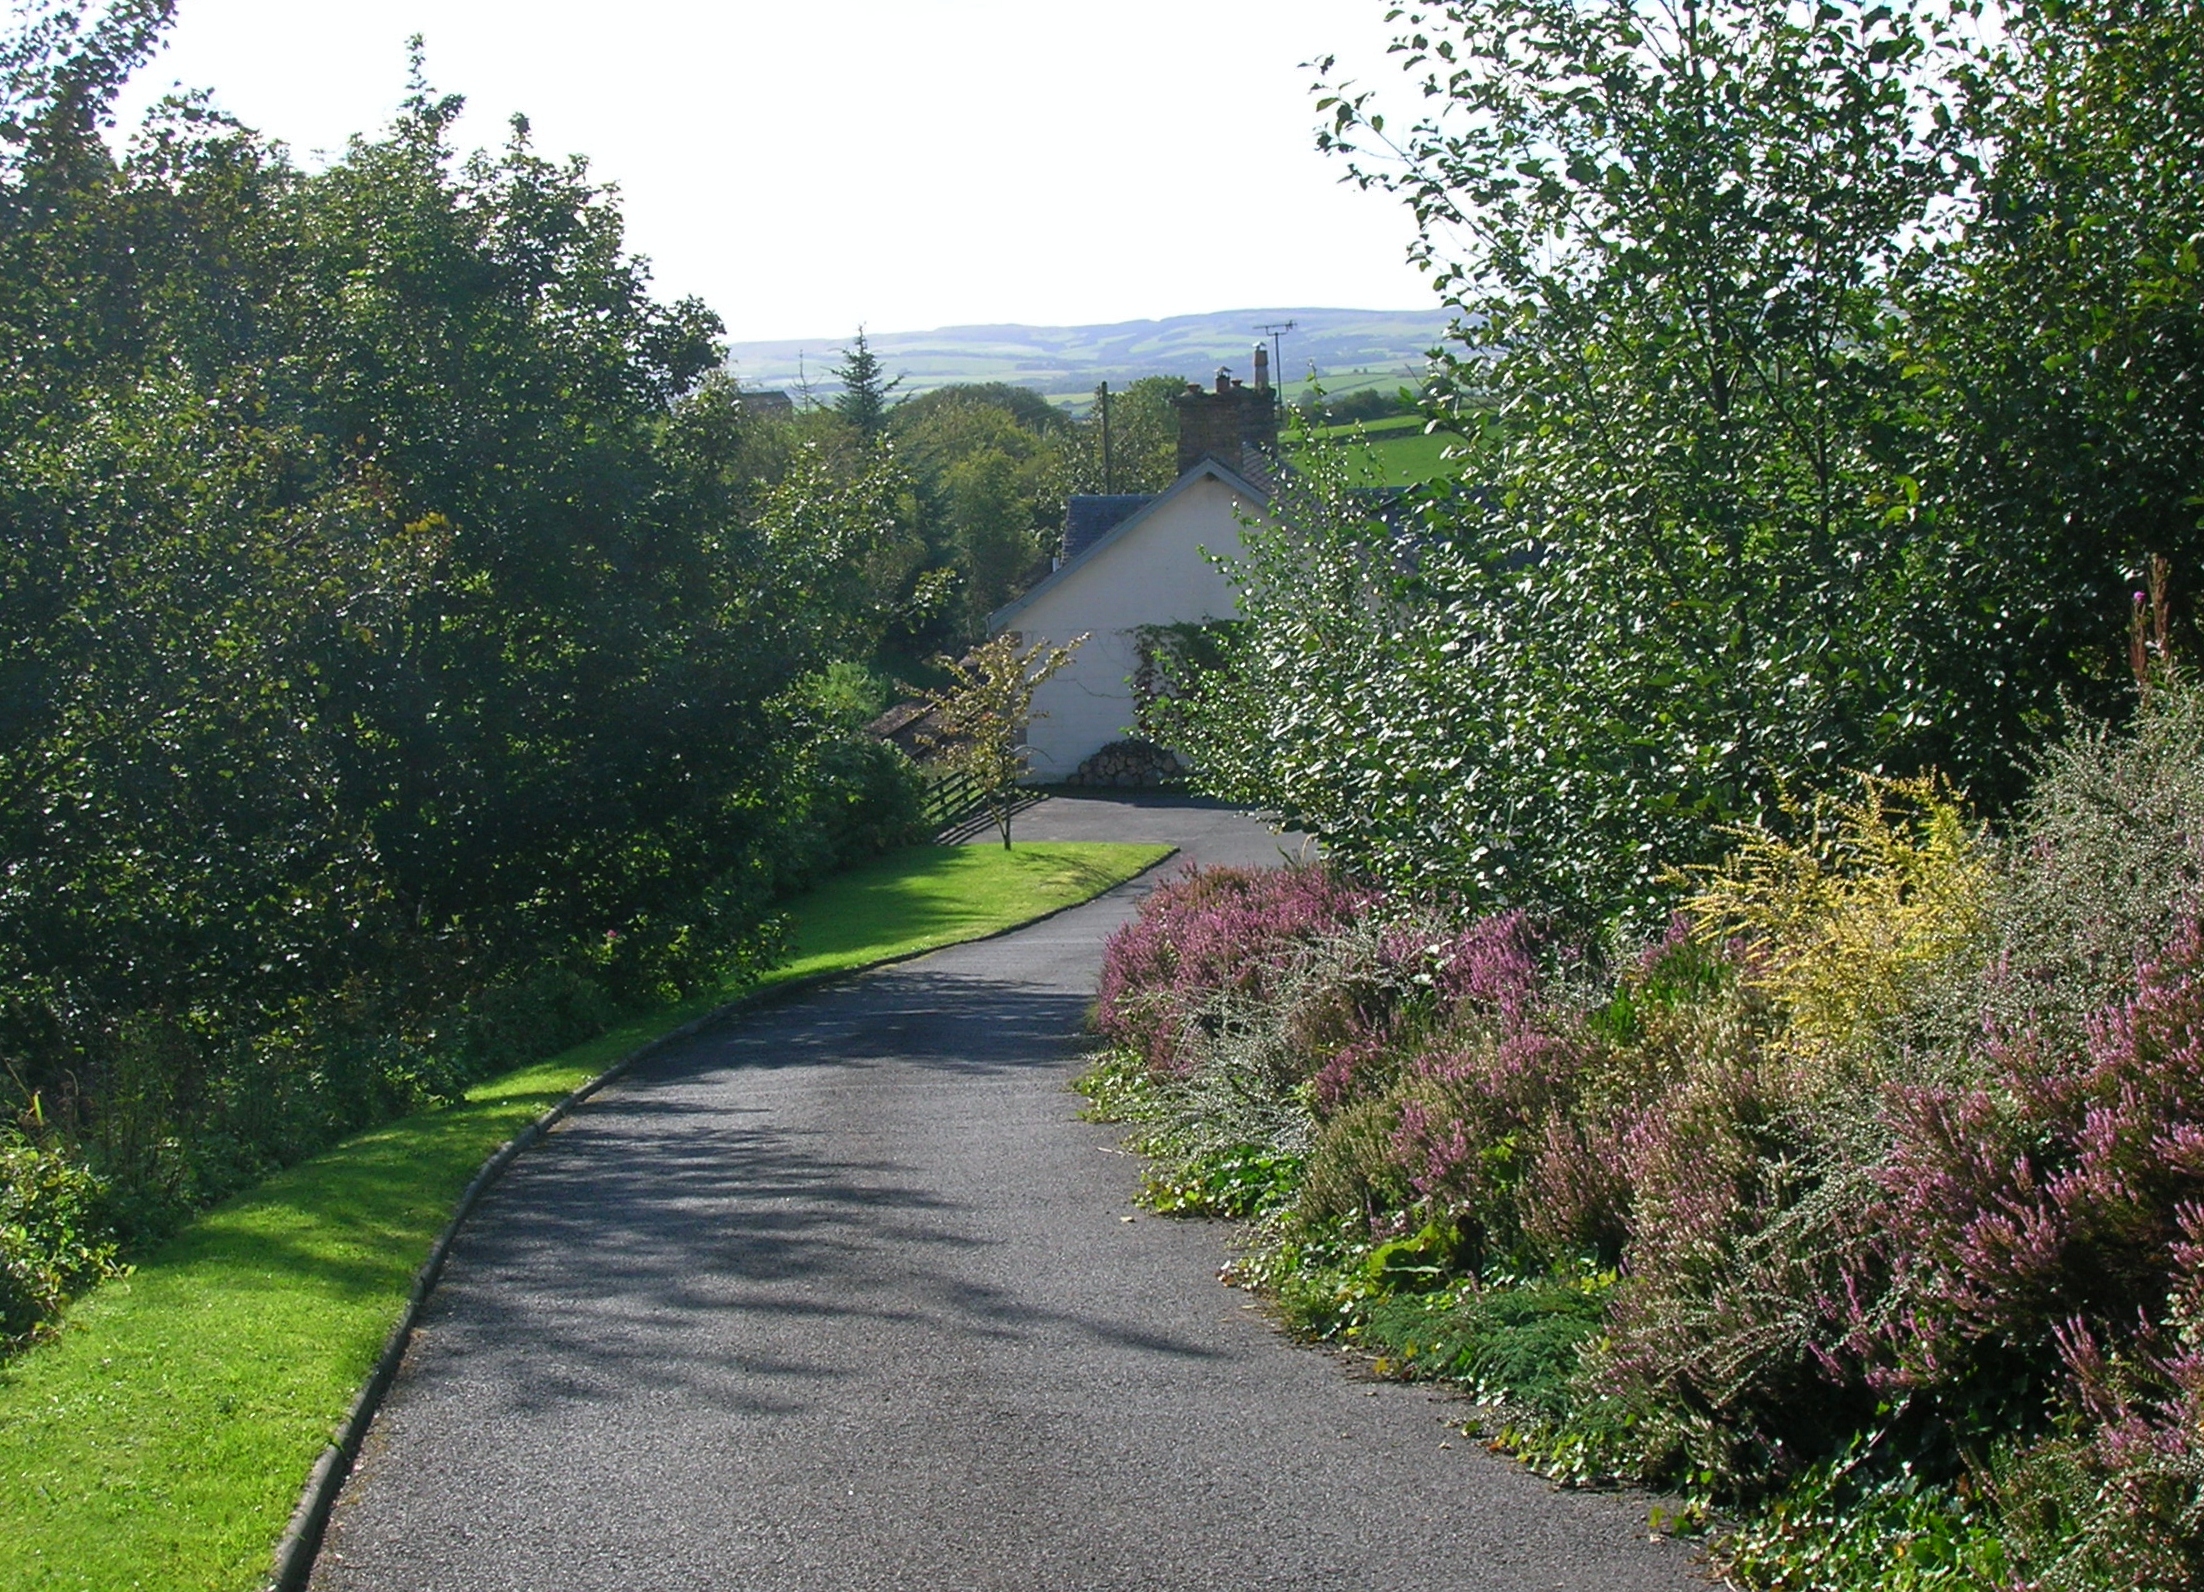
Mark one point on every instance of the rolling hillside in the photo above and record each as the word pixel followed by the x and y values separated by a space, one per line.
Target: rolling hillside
pixel 1349 349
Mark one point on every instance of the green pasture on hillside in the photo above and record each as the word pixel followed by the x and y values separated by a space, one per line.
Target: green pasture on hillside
pixel 161 1440
pixel 1392 452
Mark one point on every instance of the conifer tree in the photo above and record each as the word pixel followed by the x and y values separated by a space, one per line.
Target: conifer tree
pixel 865 388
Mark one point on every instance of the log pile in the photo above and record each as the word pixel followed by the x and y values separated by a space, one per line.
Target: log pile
pixel 1129 765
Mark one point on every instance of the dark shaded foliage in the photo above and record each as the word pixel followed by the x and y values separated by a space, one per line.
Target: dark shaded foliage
pixel 402 668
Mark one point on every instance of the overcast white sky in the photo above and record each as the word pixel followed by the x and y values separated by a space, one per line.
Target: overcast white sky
pixel 904 163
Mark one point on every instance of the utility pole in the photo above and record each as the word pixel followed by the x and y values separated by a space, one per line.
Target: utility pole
pixel 1102 395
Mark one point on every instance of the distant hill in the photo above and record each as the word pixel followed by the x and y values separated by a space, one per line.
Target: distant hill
pixel 1349 349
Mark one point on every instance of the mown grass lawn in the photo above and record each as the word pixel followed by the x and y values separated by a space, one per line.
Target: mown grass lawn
pixel 162 1439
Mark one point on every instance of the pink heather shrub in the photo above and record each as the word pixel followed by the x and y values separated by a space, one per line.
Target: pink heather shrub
pixel 1470 1119
pixel 1434 1146
pixel 1490 966
pixel 2059 1191
pixel 1357 1069
pixel 1989 1209
pixel 1492 1060
pixel 1576 1190
pixel 2147 1399
pixel 1212 930
pixel 1699 1180
pixel 1676 941
pixel 2121 1503
pixel 1684 1014
pixel 1430 977
pixel 1697 1159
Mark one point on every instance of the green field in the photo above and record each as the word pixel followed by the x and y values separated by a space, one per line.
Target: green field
pixel 1391 452
pixel 161 1440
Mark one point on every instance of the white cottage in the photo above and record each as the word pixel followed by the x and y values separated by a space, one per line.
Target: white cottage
pixel 1134 561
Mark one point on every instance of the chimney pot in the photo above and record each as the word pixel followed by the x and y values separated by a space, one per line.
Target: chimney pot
pixel 1224 423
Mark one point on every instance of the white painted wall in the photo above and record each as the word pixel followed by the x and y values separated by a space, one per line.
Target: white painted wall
pixel 1154 574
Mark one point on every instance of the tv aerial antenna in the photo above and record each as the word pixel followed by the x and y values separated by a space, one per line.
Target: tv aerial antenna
pixel 1276 332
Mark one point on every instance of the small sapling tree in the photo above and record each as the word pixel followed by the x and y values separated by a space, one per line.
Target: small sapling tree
pixel 980 721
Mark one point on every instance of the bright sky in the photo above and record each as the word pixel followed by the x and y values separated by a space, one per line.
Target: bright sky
pixel 903 163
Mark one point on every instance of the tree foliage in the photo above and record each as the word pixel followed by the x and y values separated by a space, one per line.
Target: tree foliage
pixel 866 384
pixel 391 620
pixel 1144 440
pixel 987 469
pixel 989 475
pixel 1825 376
pixel 980 719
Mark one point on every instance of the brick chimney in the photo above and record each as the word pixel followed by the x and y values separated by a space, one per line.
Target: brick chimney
pixel 1220 424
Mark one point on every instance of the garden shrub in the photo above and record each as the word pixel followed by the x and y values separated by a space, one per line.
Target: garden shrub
pixel 519 1020
pixel 1510 1347
pixel 1469 1122
pixel 337 703
pixel 1353 1174
pixel 53 1236
pixel 1841 927
pixel 1207 932
pixel 2057 1201
pixel 1851 1522
pixel 1250 1063
pixel 2104 867
pixel 1868 1199
pixel 2118 1499
pixel 846 797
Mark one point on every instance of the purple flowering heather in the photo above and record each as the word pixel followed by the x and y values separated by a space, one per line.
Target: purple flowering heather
pixel 1474 1115
pixel 1576 1193
pixel 1437 1150
pixel 2061 1192
pixel 1355 1069
pixel 1801 1249
pixel 1483 984
pixel 1491 965
pixel 1211 930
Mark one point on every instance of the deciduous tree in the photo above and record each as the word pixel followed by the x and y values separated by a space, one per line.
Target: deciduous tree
pixel 1815 367
pixel 980 720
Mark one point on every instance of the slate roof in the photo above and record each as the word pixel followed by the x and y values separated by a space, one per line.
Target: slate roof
pixel 1208 466
pixel 1257 467
pixel 908 724
pixel 1093 515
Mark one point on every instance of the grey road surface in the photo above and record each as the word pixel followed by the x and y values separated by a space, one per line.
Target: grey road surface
pixel 843 1295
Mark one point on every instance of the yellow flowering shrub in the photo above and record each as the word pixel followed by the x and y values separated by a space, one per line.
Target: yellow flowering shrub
pixel 1842 923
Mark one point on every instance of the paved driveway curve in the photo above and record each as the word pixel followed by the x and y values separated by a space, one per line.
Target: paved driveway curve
pixel 842 1296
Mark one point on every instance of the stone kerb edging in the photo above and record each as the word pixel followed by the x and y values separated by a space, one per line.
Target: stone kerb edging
pixel 301 1541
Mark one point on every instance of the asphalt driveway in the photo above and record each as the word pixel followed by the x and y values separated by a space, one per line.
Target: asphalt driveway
pixel 842 1295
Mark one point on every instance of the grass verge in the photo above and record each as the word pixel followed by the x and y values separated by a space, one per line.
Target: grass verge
pixel 161 1440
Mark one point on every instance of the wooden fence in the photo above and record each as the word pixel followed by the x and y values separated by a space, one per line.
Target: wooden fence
pixel 953 800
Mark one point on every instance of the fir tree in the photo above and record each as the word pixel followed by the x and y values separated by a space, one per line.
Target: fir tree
pixel 865 389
